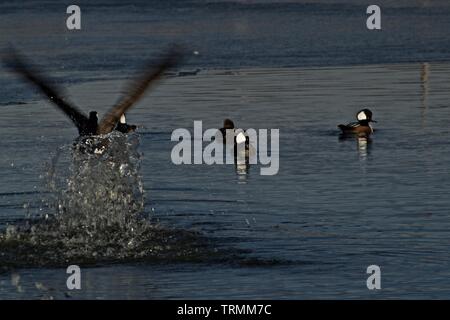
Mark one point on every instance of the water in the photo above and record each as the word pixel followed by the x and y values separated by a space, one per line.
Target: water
pixel 335 207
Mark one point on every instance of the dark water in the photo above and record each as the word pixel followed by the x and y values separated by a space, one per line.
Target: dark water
pixel 334 208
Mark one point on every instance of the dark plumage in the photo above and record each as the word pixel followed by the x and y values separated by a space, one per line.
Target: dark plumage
pixel 239 138
pixel 88 126
pixel 362 127
pixel 123 127
pixel 227 125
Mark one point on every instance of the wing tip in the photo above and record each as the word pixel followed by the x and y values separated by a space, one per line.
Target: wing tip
pixel 175 55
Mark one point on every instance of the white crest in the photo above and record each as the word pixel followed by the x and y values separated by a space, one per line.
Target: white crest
pixel 240 137
pixel 123 119
pixel 362 116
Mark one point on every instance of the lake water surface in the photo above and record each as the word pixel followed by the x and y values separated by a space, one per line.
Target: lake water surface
pixel 335 207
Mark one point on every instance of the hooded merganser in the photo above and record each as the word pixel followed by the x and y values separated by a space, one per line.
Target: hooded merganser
pixel 362 126
pixel 88 126
pixel 240 137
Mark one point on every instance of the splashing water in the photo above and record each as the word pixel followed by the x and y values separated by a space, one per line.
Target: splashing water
pixel 96 213
pixel 104 189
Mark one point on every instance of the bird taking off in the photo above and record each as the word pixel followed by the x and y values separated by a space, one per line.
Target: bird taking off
pixel 89 125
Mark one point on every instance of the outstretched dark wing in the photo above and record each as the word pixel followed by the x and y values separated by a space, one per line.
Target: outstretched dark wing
pixel 137 89
pixel 17 64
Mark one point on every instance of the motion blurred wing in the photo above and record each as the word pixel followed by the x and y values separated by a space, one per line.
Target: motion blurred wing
pixel 137 89
pixel 17 64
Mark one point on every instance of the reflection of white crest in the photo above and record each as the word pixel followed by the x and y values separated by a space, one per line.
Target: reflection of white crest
pixel 362 143
pixel 240 138
pixel 362 147
pixel 123 119
pixel 241 169
pixel 362 116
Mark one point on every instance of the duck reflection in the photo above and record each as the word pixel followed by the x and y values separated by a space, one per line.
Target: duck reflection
pixel 363 144
pixel 241 163
pixel 242 172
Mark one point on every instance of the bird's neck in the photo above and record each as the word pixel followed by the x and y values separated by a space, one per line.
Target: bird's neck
pixel 364 123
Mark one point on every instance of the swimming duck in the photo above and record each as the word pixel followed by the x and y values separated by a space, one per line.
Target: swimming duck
pixel 240 137
pixel 362 127
pixel 89 125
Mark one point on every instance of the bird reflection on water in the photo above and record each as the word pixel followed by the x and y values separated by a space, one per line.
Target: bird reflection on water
pixel 363 144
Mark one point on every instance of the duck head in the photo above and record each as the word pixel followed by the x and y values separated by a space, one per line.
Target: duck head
pixel 228 124
pixel 93 117
pixel 364 116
